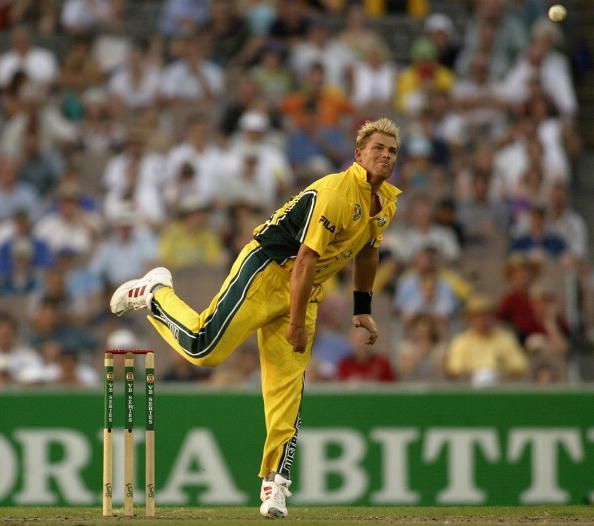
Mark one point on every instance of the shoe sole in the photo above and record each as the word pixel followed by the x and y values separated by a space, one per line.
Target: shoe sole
pixel 273 513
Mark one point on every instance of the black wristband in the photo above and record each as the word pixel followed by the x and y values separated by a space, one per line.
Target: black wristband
pixel 361 302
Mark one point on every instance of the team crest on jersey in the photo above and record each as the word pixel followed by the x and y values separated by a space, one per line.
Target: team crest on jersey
pixel 357 212
pixel 381 222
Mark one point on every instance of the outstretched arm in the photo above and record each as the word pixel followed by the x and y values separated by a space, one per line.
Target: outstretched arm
pixel 366 263
pixel 302 279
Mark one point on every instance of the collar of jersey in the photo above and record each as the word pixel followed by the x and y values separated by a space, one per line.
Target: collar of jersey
pixel 386 189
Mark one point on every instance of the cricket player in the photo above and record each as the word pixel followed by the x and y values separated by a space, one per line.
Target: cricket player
pixel 274 288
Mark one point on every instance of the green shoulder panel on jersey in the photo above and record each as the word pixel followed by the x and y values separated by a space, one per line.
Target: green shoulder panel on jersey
pixel 281 236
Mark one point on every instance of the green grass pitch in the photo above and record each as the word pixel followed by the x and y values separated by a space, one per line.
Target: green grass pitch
pixel 341 516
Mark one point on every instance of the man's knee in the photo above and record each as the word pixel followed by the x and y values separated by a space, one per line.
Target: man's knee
pixel 210 360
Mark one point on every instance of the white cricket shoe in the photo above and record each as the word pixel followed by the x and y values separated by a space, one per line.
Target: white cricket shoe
pixel 273 495
pixel 137 293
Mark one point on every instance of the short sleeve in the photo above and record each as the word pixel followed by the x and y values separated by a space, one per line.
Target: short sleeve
pixel 323 221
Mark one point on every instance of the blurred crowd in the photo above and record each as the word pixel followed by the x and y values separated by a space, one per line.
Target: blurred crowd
pixel 126 144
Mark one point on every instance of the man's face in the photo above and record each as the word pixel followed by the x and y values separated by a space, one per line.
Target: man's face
pixel 378 157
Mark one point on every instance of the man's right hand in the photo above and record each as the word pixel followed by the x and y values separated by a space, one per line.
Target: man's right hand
pixel 297 337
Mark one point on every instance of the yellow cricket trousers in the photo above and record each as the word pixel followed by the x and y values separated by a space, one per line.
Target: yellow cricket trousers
pixel 254 296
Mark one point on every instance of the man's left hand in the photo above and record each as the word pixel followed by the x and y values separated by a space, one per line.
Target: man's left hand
pixel 368 323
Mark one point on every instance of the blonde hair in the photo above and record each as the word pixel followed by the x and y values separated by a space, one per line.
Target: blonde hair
pixel 383 125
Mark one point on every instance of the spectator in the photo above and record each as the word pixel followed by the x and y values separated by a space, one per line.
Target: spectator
pixel 20 277
pixel 84 16
pixel 290 24
pixel 79 72
pixel 22 363
pixel 372 79
pixel 549 341
pixel 20 228
pixel 246 97
pixel 15 195
pixel 33 113
pixel 128 250
pixel 364 364
pixel 189 241
pixel 421 355
pixel 70 370
pixel 421 231
pixel 81 286
pixel 519 148
pixel 136 84
pixel 530 192
pixel 231 32
pixel 193 165
pixel 485 353
pixel 254 170
pixel 330 345
pixel 539 243
pixel 243 217
pixel 182 16
pixel 554 135
pixel 423 75
pixel 515 306
pixel 63 366
pixel 545 373
pixel 480 99
pixel 440 29
pixel 448 129
pixel 259 15
pixel 327 102
pixel 180 370
pixel 420 173
pixel 73 178
pixel 271 75
pixel 50 329
pixel 194 77
pixel 541 61
pixel 564 221
pixel 422 290
pixel 40 168
pixel 481 218
pixel 495 30
pixel 320 47
pixel 242 369
pixel 315 150
pixel 357 36
pixel 39 64
pixel 136 175
pixel 99 133
pixel 69 226
pixel 111 49
pixel 446 217
pixel 43 14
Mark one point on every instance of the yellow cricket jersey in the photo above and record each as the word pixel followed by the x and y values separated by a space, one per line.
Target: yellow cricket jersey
pixel 331 216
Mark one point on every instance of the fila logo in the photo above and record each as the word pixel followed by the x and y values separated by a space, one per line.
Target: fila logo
pixel 327 225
